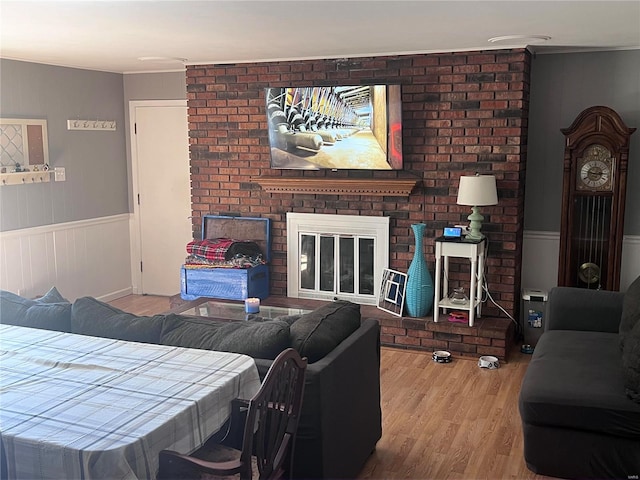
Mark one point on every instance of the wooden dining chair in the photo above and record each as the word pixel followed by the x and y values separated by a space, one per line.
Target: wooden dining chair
pixel 266 448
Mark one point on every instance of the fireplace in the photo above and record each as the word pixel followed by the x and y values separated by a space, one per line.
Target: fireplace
pixel 336 256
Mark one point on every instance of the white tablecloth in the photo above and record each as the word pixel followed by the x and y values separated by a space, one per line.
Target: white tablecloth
pixel 74 406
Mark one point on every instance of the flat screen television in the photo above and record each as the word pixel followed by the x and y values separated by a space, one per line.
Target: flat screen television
pixel 343 127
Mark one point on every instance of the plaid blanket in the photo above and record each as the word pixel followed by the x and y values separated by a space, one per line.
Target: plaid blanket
pixel 214 250
pixel 221 249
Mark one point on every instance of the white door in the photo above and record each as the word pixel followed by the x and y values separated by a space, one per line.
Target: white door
pixel 162 194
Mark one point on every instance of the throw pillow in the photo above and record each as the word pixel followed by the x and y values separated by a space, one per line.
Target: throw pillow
pixel 258 339
pixel 630 310
pixel 93 317
pixel 317 333
pixel 40 313
pixel 52 296
pixel 631 363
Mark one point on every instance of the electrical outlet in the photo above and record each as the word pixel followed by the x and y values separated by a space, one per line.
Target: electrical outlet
pixel 60 174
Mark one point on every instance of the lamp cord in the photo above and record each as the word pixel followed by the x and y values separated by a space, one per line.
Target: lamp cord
pixel 485 288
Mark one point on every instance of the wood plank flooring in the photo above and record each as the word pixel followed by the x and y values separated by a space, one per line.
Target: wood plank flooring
pixel 440 421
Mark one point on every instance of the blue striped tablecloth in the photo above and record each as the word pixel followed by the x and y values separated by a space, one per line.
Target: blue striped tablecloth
pixel 74 406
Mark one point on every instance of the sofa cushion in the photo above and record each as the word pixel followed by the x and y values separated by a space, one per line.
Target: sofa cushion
pixel 317 333
pixel 51 312
pixel 260 339
pixel 575 380
pixel 630 310
pixel 93 317
pixel 631 363
pixel 288 319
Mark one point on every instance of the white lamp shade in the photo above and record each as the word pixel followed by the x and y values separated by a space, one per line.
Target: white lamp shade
pixel 477 190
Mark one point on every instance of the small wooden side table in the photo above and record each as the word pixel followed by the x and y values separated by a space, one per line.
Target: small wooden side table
pixel 474 251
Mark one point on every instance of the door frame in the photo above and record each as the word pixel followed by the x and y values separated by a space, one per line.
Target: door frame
pixel 134 219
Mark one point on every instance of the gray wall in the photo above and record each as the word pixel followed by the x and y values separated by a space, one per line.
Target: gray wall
pixel 562 85
pixel 155 86
pixel 98 163
pixel 95 161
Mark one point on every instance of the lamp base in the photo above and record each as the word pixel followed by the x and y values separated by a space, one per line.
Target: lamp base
pixel 475 223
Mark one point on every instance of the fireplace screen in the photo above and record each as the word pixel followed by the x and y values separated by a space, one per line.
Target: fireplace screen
pixel 336 256
pixel 339 264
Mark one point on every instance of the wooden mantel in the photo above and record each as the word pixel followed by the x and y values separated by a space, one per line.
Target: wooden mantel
pixel 331 186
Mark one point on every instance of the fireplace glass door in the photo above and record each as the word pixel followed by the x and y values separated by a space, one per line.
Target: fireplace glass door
pixel 338 264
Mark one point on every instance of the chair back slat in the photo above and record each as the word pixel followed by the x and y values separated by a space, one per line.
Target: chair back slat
pixel 273 415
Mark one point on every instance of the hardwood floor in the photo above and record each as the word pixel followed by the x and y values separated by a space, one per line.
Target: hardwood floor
pixel 440 421
pixel 142 304
pixel 449 421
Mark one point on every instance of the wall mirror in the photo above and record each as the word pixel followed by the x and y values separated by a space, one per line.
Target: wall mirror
pixel 23 142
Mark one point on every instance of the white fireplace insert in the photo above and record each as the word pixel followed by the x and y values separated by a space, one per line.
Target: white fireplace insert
pixel 336 256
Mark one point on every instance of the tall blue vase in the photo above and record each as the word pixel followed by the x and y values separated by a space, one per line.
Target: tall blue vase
pixel 419 292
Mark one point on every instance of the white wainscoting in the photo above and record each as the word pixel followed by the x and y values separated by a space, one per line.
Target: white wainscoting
pixel 83 258
pixel 540 252
pixel 92 257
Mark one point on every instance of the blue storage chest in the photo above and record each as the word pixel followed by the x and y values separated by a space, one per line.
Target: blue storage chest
pixel 230 283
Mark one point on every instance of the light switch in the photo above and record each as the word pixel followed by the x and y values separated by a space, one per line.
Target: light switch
pixel 60 174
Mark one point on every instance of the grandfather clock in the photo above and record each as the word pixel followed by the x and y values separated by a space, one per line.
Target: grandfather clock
pixel 594 185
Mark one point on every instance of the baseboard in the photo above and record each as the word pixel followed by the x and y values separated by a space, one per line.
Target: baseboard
pixel 115 295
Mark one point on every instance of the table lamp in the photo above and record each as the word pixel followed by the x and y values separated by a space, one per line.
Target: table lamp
pixel 477 191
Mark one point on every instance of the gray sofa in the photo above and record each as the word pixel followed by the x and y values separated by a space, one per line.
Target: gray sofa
pixel 579 400
pixel 341 419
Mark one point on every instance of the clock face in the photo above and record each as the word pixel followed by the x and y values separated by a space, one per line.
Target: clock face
pixel 595 169
pixel 595 173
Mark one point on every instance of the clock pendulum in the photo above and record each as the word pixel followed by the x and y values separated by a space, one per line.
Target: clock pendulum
pixel 593 200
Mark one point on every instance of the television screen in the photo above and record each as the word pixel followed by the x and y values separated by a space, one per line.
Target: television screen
pixel 344 127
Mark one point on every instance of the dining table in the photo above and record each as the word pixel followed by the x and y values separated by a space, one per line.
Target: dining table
pixel 81 407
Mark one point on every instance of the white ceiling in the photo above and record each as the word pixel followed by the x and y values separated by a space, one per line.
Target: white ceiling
pixel 114 35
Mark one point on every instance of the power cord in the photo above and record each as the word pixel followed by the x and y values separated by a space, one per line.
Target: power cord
pixel 485 288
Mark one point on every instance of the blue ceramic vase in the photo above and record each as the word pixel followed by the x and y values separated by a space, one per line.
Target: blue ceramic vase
pixel 419 293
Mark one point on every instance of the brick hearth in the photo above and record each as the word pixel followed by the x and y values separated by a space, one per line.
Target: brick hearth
pixel 488 336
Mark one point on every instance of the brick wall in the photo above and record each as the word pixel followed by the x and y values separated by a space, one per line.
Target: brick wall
pixel 462 113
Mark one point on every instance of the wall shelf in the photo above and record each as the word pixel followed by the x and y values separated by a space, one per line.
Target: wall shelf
pixel 331 186
pixel 24 178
